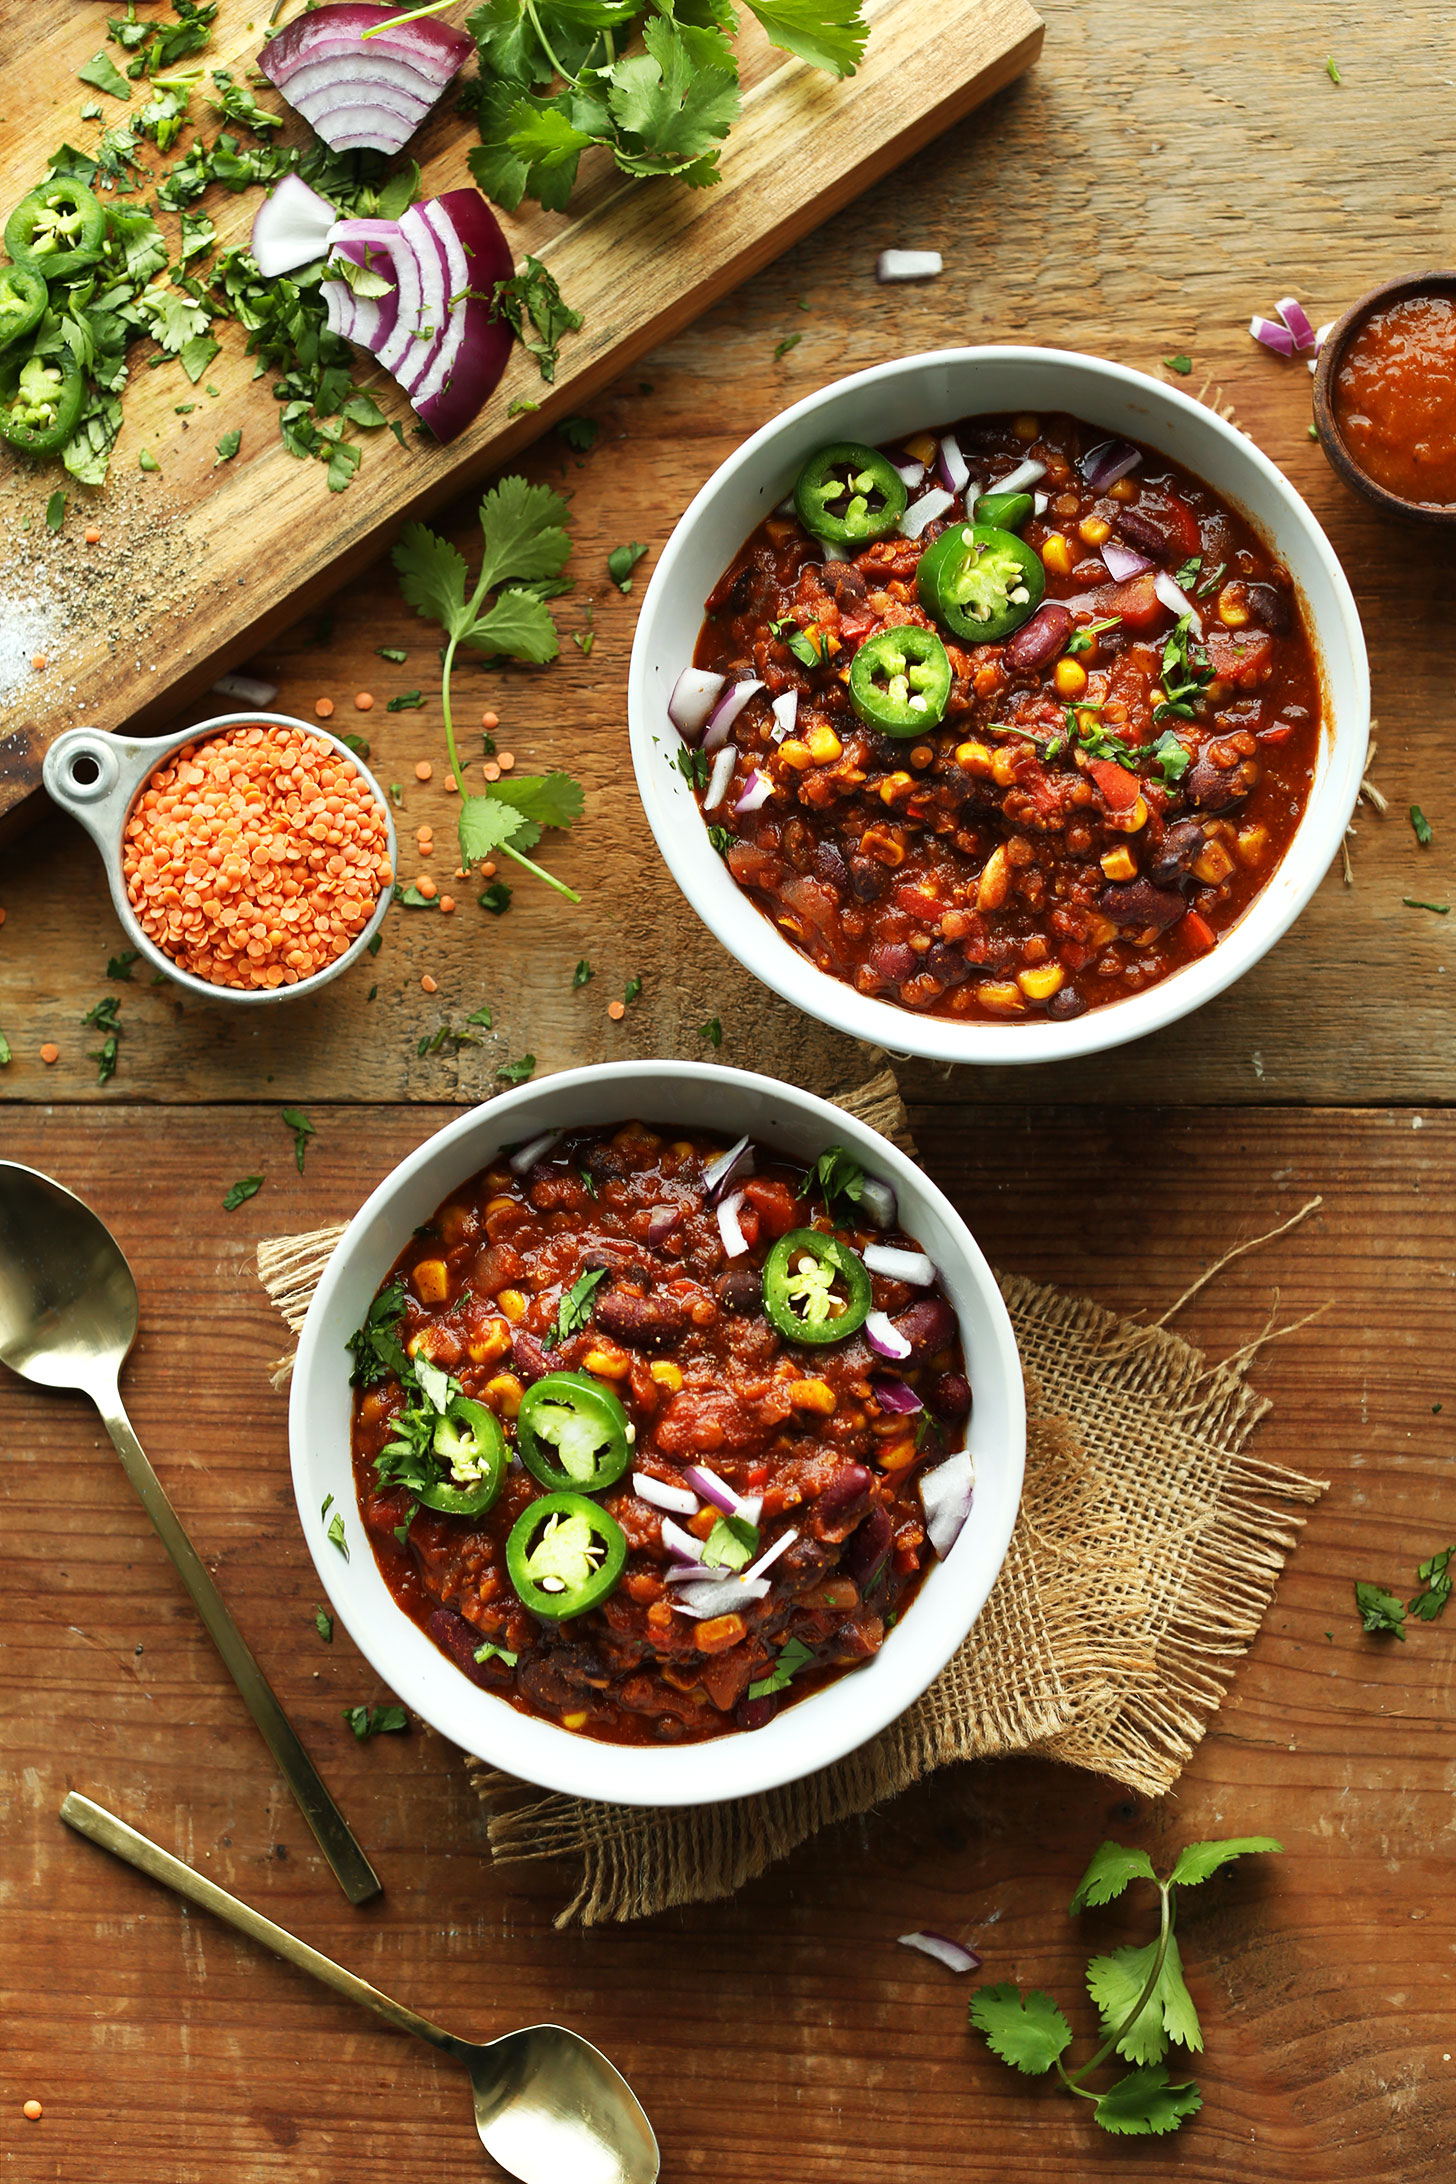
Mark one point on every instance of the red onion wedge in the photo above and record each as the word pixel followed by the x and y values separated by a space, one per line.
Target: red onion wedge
pixel 785 712
pixel 908 265
pixel 756 792
pixel 1122 562
pixel 721 1495
pixel 1040 502
pixel 951 467
pixel 945 1496
pixel 908 469
pixel 526 1156
pixel 1104 464
pixel 358 84
pixel 379 244
pixel 693 1573
pixel 720 778
pixel 1272 334
pixel 1021 478
pixel 925 510
pixel 291 228
pixel 771 1555
pixel 954 1955
pixel 884 1337
pixel 727 710
pixel 720 1173
pixel 1292 311
pixel 900 1266
pixel 476 347
pixel 694 694
pixel 735 1243
pixel 680 1544
pixel 662 1222
pixel 678 1499
pixel 704 1601
pixel 247 689
pixel 895 1395
pixel 1177 601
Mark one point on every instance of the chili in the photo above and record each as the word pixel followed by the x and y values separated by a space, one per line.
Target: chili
pixel 980 582
pixel 565 1556
pixel 1005 511
pixel 572 1433
pixel 23 298
pixel 848 494
pixel 59 228
pixel 469 1441
pixel 900 680
pixel 815 1289
pixel 41 404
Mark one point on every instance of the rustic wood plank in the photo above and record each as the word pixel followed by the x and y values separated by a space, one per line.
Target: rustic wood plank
pixel 228 551
pixel 782 2034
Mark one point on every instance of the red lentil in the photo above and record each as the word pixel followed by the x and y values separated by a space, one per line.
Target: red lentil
pixel 253 859
pixel 49 1053
pixel 491 770
pixel 490 720
pixel 324 707
pixel 33 2110
pixel 616 1010
pixel 507 760
pixel 426 887
pixel 363 703
pixel 447 904
pixel 93 538
pixel 430 985
pixel 424 770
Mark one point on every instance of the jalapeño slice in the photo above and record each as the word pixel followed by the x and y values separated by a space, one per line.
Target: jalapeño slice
pixel 23 296
pixel 815 1289
pixel 980 582
pixel 469 1442
pixel 41 403
pixel 1004 511
pixel 565 1555
pixel 849 494
pixel 572 1432
pixel 58 228
pixel 900 680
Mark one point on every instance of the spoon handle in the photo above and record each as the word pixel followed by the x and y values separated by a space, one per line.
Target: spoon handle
pixel 355 1875
pixel 148 1857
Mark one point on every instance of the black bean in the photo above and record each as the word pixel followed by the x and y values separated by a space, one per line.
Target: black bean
pixel 947 964
pixel 740 1290
pixel 829 864
pixel 868 878
pixel 1066 1004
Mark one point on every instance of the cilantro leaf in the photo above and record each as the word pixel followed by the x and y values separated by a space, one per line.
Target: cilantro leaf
pixel 793 1658
pixel 323 1623
pixel 576 1305
pixel 675 103
pixel 1196 1861
pixel 1425 833
pixel 621 561
pixel 370 1721
pixel 1028 2031
pixel 490 1651
pixel 432 577
pixel 102 73
pixel 336 1534
pixel 247 1186
pixel 1182 365
pixel 298 1122
pixel 518 624
pixel 1115 1982
pixel 1380 1611
pixel 1144 2103
pixel 525 534
pixel 1436 1574
pixel 580 433
pixel 732 1544
pixel 829 33
pixel 712 1031
pixel 546 800
pixel 1113 1867
pixel 496 897
pixel 376 1347
pixel 228 446
pixel 517 1072
pixel 486 824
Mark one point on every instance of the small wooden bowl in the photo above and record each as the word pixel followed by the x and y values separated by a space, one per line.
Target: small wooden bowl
pixel 1341 461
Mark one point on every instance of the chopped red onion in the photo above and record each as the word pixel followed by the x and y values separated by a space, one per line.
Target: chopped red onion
pixel 692 1573
pixel 694 695
pixel 727 710
pixel 1104 464
pixel 908 265
pixel 909 470
pixel 720 777
pixel 1021 478
pixel 877 1199
pixel 735 1243
pixel 1272 334
pixel 925 510
pixel 785 713
pixel 721 1495
pixel 526 1156
pixel 247 689
pixel 1322 335
pixel 1176 600
pixel 704 1601
pixel 661 1223
pixel 771 1555
pixel 788 506
pixel 1040 502
pixel 1122 562
pixel 680 1544
pixel 945 1496
pixel 884 1337
pixel 720 1173
pixel 895 1395
pixel 358 83
pixel 756 792
pixel 954 1955
pixel 679 1499
pixel 291 228
pixel 900 1266
pixel 1293 314
pixel 951 466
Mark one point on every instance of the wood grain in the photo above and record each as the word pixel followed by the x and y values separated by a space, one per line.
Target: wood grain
pixel 782 2034
pixel 249 542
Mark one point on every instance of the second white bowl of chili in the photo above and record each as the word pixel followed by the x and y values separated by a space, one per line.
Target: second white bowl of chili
pixel 1029 879
pixel 344 1524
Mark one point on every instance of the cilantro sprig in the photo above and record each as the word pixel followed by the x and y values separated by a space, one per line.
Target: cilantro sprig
pixel 525 547
pixel 1383 1613
pixel 1139 1992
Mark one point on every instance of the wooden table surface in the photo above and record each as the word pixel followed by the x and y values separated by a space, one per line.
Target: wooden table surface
pixel 1149 185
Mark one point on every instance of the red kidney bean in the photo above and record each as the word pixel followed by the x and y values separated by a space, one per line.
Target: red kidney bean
pixel 755 1713
pixel 1040 639
pixel 1212 788
pixel 460 1640
pixel 949 1396
pixel 928 1324
pixel 528 1357
pixel 740 1289
pixel 895 961
pixel 1176 852
pixel 1066 1004
pixel 1139 903
pixel 837 1510
pixel 868 1551
pixel 645 1323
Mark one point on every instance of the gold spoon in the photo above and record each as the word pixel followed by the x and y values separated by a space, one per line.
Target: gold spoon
pixel 68 1318
pixel 549 2106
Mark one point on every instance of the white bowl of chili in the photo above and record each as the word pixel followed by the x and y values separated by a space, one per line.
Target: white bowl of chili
pixel 827 1723
pixel 883 408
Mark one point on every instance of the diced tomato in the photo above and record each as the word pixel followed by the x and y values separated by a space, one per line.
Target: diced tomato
pixel 855 627
pixel 1174 518
pixel 775 1207
pixel 1281 733
pixel 1136 601
pixel 1240 656
pixel 921 902
pixel 1120 790
pixel 749 1220
pixel 1197 931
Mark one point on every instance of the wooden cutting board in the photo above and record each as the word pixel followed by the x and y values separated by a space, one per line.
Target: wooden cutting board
pixel 197 563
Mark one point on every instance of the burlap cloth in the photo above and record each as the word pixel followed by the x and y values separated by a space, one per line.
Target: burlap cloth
pixel 1147 1549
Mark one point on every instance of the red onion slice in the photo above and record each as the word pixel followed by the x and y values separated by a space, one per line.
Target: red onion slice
pixel 900 1266
pixel 1017 481
pixel 357 83
pixel 884 1337
pixel 771 1555
pixel 720 778
pixel 727 710
pixel 1292 311
pixel 704 1601
pixel 785 712
pixel 1272 334
pixel 693 1573
pixel 661 1223
pixel 1104 464
pixel 1322 335
pixel 908 470
pixel 908 265
pixel 925 510
pixel 291 228
pixel 694 694
pixel 1040 502
pixel 954 1955
pixel 877 1199
pixel 1122 562
pixel 247 689
pixel 756 792
pixel 945 1496
pixel 367 241
pixel 895 1395
pixel 424 342
pixel 527 1155
pixel 680 1544
pixel 1176 600
pixel 735 1243
pixel 721 1495
pixel 476 346
pixel 719 1173
pixel 678 1499
pixel 951 467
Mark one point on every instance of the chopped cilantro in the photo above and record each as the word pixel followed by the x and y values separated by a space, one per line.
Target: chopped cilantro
pixel 119 966
pixel 517 1072
pixel 323 1623
pixel 631 990
pixel 359 745
pixel 55 514
pixel 1380 1611
pixel 247 1186
pixel 1182 365
pixel 782 348
pixel 298 1122
pixel 228 446
pixel 1425 833
pixel 408 701
pixel 720 839
pixel 581 433
pixel 694 766
pixel 1330 69
pixel 535 310
pixel 495 897
pixel 102 74
pixel 575 1310
pixel 1436 1579
pixel 371 1721
pixel 583 974
pixel 1412 902
pixel 391 652
pixel 621 561
pixel 839 1175
pixel 376 1347
pixel 5 1054
pixel 793 1659
pixel 712 1031
pixel 490 1651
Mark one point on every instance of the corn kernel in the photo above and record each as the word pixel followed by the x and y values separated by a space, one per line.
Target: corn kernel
pixel 823 744
pixel 1001 995
pixel 512 1303
pixel 1099 930
pixel 493 1341
pixel 1119 864
pixel 666 1374
pixel 1042 983
pixel 574 1721
pixel 683 1148
pixel 895 787
pixel 1231 609
pixel 1253 841
pixel 1212 864
pixel 992 886
pixel 1056 555
pixel 432 1282
pixel 500 1205
pixel 1094 530
pixel 975 757
pixel 1026 427
pixel 795 753
pixel 922 448
pixel 1128 822
pixel 883 845
pixel 607 1364
pixel 897 1457
pixel 503 1393
pixel 813 1395
pixel 1070 678
pixel 1122 489
pixel 1003 767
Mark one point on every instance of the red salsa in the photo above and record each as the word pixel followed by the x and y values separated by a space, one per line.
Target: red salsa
pixel 1027 762
pixel 1394 398
pixel 628 1439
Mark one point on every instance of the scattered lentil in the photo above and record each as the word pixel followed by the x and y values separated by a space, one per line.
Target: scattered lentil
pixel 487 870
pixel 447 904
pixel 507 760
pixel 49 1053
pixel 255 857
pixel 490 720
pixel 616 1010
pixel 38 663
pixel 424 770
pixel 93 538
pixel 427 887
pixel 363 703
pixel 452 786
pixel 33 2110
pixel 491 770
pixel 324 707
pixel 429 984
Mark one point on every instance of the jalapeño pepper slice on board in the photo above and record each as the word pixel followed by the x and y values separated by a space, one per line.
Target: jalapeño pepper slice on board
pixel 468 1440
pixel 565 1555
pixel 40 404
pixel 58 228
pixel 848 494
pixel 23 296
pixel 572 1432
pixel 815 1289
pixel 1004 511
pixel 899 680
pixel 980 582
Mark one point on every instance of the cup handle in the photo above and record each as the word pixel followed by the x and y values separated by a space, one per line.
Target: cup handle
pixel 94 776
